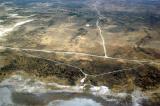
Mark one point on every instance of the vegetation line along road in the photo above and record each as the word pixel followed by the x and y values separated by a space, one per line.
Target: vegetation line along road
pixel 82 54
pixel 85 74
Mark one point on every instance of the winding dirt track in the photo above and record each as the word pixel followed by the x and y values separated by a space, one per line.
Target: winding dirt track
pixel 85 74
pixel 103 41
pixel 4 31
pixel 100 31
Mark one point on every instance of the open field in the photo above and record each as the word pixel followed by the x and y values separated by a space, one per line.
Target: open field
pixel 102 47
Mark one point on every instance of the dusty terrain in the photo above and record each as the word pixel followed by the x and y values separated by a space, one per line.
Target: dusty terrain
pixel 85 43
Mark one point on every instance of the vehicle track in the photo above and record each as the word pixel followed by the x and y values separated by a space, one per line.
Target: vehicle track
pixel 85 74
pixel 100 31
pixel 79 53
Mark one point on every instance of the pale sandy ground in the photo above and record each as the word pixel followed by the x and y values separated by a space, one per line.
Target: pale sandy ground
pixel 5 30
pixel 21 84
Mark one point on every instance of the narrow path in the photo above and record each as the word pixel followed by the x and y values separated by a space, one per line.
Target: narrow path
pixel 78 53
pixel 52 51
pixel 103 41
pixel 4 31
pixel 29 55
pixel 85 74
pixel 100 31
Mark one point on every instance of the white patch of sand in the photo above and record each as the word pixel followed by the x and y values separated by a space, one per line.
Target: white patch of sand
pixel 100 90
pixel 13 15
pixel 83 79
pixel 23 22
pixel 22 84
pixel 1 21
pixel 87 25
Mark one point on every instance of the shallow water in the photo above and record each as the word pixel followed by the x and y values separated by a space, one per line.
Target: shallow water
pixel 5 96
pixel 23 91
pixel 75 102
pixel 12 98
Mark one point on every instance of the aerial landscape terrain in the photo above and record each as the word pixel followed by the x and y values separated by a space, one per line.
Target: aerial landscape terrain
pixel 79 52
